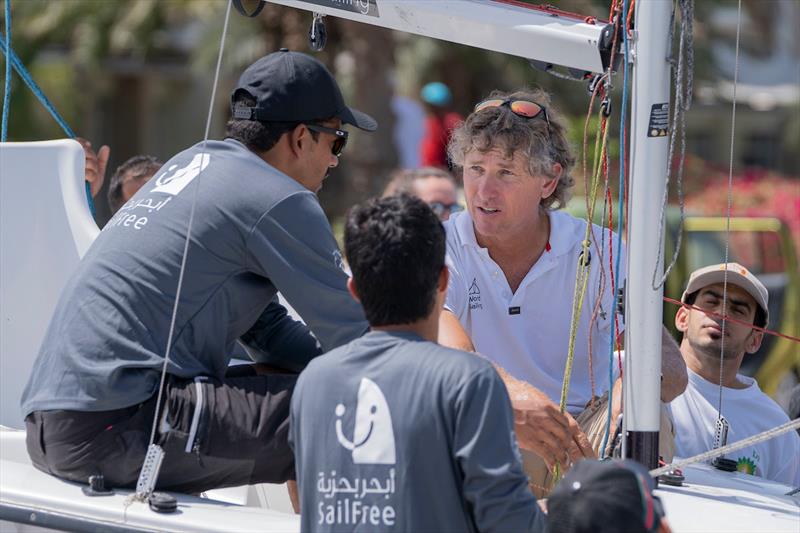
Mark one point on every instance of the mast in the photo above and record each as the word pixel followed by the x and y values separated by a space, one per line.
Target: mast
pixel 643 304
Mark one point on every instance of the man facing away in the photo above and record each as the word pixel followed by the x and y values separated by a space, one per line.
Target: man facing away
pixel 90 402
pixel 711 355
pixel 393 432
pixel 513 258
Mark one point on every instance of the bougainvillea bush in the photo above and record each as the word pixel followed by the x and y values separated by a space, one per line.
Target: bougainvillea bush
pixel 755 192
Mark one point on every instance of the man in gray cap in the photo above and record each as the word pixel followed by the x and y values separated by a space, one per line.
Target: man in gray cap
pixel 244 213
pixel 713 349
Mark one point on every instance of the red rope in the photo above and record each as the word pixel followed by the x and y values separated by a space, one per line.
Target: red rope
pixel 734 320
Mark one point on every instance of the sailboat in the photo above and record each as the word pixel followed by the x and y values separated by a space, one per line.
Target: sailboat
pixel 42 242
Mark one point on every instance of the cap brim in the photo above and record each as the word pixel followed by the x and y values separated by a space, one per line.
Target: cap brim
pixel 734 278
pixel 358 119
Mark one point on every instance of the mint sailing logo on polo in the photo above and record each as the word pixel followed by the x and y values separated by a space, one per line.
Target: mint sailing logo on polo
pixel 474 295
pixel 354 496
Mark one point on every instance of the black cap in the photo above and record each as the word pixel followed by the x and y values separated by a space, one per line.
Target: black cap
pixel 599 496
pixel 294 87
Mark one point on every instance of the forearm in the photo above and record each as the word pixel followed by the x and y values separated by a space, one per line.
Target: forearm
pixel 673 368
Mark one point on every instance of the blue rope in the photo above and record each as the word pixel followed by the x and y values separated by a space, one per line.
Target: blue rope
pixel 7 83
pixel 5 47
pixel 620 206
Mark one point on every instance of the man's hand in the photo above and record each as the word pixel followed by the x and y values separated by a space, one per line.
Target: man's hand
pixel 95 165
pixel 542 428
pixel 674 377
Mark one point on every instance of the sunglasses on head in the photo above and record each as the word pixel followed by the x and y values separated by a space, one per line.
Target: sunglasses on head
pixel 521 108
pixel 341 137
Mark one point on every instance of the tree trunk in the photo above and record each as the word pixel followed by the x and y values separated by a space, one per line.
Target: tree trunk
pixel 364 63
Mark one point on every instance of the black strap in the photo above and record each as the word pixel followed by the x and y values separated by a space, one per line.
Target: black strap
pixel 240 8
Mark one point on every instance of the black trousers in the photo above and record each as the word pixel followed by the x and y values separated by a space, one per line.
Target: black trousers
pixel 215 434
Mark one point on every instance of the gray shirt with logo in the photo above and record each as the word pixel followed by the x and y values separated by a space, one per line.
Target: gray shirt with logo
pixel 255 231
pixel 394 433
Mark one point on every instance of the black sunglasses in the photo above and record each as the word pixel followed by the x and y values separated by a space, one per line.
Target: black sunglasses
pixel 521 108
pixel 341 137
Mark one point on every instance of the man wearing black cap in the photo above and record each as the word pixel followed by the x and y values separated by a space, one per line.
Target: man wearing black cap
pixel 606 496
pixel 244 215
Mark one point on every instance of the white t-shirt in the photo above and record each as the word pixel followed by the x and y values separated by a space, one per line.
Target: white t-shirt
pixel 527 333
pixel 748 412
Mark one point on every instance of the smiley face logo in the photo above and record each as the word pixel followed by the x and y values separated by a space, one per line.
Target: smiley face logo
pixel 373 436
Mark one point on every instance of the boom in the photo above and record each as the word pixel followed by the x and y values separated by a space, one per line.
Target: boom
pixel 544 34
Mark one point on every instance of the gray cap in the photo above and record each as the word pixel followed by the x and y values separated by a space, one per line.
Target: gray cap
pixel 737 275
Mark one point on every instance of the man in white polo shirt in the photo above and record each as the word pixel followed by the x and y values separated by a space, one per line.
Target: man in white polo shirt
pixel 513 260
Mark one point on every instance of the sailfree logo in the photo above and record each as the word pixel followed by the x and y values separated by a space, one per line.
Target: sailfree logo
pixel 373 435
pixel 175 179
pixel 347 500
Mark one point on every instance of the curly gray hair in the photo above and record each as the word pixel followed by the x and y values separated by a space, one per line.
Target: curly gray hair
pixel 500 128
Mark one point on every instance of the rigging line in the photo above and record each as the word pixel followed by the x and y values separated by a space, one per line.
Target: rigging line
pixel 599 89
pixel 738 445
pixel 734 320
pixel 684 80
pixel 581 281
pixel 7 81
pixel 593 240
pixel 581 277
pixel 620 207
pixel 630 14
pixel 37 91
pixel 730 206
pixel 189 226
pixel 602 87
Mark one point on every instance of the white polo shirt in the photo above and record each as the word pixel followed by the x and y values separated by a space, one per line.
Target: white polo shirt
pixel 527 333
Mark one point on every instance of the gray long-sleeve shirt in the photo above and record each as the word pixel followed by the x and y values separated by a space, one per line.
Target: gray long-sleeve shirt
pixel 394 433
pixel 255 231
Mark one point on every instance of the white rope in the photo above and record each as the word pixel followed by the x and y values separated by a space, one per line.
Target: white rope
pixel 189 227
pixel 744 443
pixel 728 214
